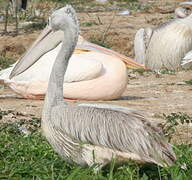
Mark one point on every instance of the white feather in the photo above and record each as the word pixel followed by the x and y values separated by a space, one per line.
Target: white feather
pixel 141 42
pixel 186 62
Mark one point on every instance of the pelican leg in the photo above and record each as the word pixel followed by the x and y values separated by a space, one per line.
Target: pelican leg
pixel 16 20
pixel 6 18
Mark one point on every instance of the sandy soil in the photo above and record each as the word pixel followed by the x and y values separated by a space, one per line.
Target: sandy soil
pixel 150 93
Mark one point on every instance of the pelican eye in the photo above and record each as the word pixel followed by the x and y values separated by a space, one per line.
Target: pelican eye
pixel 68 11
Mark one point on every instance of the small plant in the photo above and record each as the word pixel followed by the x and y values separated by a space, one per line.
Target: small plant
pixel 5 62
pixel 166 71
pixel 141 71
pixel 89 24
pixel 173 121
pixel 3 113
pixel 99 41
pixel 188 82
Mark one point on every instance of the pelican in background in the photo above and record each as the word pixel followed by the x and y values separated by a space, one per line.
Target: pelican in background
pixel 93 133
pixel 167 45
pixel 17 5
pixel 94 72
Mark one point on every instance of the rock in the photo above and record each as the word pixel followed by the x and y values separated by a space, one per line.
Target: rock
pixel 125 12
pixel 181 83
pixel 24 131
pixel 102 1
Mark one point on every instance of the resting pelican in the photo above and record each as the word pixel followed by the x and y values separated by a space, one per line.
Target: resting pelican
pixel 93 133
pixel 94 72
pixel 166 45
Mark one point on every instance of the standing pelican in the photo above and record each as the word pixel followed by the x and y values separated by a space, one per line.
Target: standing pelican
pixel 94 72
pixel 93 133
pixel 166 45
pixel 17 5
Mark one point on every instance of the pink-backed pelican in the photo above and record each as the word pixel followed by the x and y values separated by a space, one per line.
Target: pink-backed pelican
pixel 89 134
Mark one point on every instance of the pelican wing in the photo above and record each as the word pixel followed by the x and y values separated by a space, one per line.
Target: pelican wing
pixel 130 63
pixel 186 62
pixel 113 127
pixel 83 67
pixel 142 39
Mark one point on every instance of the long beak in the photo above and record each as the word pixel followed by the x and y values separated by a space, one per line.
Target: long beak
pixel 130 63
pixel 46 41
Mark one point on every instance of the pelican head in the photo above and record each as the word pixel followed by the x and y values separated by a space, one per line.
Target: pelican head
pixel 181 12
pixel 62 18
pixel 184 10
pixel 50 37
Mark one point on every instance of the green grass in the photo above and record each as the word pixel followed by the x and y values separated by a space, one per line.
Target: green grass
pixel 5 62
pixel 188 82
pixel 166 71
pixel 141 71
pixel 30 157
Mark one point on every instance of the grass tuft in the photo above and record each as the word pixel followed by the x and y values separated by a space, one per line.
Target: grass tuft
pixel 99 41
pixel 166 71
pixel 5 62
pixel 141 71
pixel 188 82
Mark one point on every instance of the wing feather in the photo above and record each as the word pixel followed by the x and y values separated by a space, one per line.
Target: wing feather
pixel 115 128
pixel 186 62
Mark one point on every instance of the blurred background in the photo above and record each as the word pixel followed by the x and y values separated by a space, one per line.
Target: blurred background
pixel 111 23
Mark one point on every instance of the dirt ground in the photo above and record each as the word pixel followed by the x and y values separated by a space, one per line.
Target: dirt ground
pixel 150 93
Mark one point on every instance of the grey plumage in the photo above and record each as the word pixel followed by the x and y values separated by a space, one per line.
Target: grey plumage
pixel 168 44
pixel 115 127
pixel 95 133
pixel 186 62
